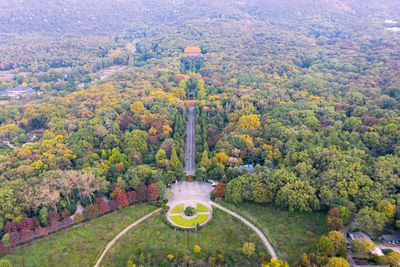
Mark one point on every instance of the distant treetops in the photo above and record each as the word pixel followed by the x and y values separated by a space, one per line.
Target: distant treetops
pixel 192 50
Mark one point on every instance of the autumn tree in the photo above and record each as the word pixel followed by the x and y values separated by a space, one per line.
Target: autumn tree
pixel 153 192
pixel 249 122
pixel 220 190
pixel 338 262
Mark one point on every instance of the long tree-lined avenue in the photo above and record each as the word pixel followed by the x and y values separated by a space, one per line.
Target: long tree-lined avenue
pixel 190 152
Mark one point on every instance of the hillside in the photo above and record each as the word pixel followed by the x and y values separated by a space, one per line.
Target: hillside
pixel 73 16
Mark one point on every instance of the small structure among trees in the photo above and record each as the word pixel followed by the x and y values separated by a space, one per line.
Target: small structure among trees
pixel 192 50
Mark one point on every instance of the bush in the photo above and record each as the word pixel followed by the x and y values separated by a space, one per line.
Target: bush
pixel 5 263
pixel 71 207
pixel 102 205
pixel 197 249
pixel 249 248
pixel 212 195
pixel 6 240
pixel 2 247
pixel 85 201
pixel 132 197
pixel 78 217
pixel 92 211
pixel 190 211
pixel 53 220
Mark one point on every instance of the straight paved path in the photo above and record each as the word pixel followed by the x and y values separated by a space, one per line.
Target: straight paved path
pixel 190 152
pixel 260 234
pixel 123 232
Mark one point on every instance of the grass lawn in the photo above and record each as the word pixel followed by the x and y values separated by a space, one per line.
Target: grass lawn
pixel 79 245
pixel 201 208
pixel 177 209
pixel 150 243
pixel 179 220
pixel 291 233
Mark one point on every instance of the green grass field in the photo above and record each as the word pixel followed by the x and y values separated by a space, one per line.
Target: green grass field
pixel 291 233
pixel 79 245
pixel 150 244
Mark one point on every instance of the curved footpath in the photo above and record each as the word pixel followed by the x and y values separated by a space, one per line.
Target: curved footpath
pixel 260 234
pixel 123 232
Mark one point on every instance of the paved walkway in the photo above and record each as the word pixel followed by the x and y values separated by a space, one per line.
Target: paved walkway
pixel 260 234
pixel 190 192
pixel 123 232
pixel 190 152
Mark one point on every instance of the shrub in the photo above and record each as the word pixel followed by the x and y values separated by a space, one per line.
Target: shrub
pixel 78 217
pixel 170 257
pixel 102 205
pixel 132 197
pixel 11 227
pixel 220 190
pixel 65 213
pixel 113 204
pixel 5 263
pixel 53 220
pixel 190 211
pixel 212 195
pixel 41 232
pixel 92 211
pixel 85 201
pixel 122 199
pixel 142 193
pixel 43 216
pixel 197 249
pixel 67 221
pixel 6 240
pixel 120 195
pixel 71 207
pixel 2 247
pixel 153 192
pixel 338 262
pixel 248 249
pixel 275 263
pixel 14 239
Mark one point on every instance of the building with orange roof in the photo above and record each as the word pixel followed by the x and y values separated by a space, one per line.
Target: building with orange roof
pixel 192 50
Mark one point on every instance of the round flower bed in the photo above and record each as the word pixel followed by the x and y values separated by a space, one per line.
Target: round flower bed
pixel 187 217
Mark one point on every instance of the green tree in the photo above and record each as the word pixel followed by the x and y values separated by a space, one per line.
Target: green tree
pixel 298 196
pixel 201 93
pixel 205 162
pixel 6 240
pixel 175 163
pixel 339 243
pixel 371 221
pixel 136 144
pixel 325 246
pixel 43 215
pixel 361 248
pixel 161 158
pixel 234 190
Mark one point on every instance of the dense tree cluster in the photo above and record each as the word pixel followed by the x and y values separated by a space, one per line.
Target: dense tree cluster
pixel 301 112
